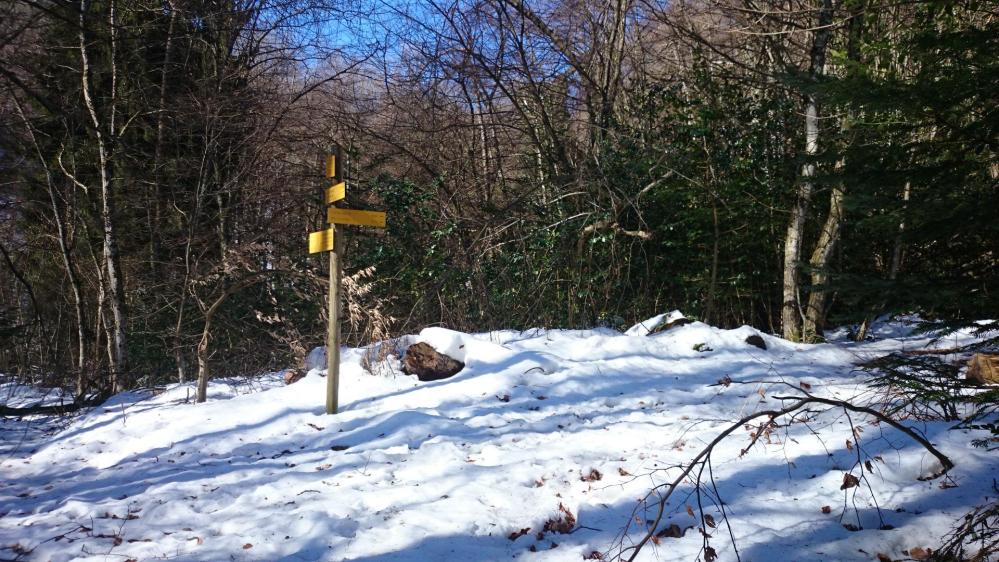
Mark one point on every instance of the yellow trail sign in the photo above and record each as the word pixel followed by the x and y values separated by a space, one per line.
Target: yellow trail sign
pixel 330 165
pixel 336 193
pixel 321 241
pixel 355 217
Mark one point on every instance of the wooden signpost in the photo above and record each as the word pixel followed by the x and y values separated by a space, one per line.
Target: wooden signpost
pixel 331 241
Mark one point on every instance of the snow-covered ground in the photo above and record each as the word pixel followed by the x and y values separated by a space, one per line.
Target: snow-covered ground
pixel 472 467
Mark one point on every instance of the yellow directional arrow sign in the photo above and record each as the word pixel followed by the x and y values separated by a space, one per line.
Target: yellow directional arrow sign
pixel 330 165
pixel 355 217
pixel 321 241
pixel 336 193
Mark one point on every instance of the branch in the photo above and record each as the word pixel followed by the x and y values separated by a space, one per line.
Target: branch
pixel 667 490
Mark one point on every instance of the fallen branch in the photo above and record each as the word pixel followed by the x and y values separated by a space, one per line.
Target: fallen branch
pixel 57 410
pixel 665 491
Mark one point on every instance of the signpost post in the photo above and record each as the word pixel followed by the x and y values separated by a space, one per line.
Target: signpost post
pixel 332 241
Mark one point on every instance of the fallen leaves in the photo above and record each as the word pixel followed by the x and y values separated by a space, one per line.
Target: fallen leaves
pixel 517 534
pixel 849 481
pixel 563 522
pixel 826 509
pixel 593 476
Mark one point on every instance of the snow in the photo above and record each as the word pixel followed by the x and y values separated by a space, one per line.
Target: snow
pixel 447 470
pixel 645 327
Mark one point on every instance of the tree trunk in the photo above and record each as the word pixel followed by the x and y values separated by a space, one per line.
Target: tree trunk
pixel 105 154
pixel 709 306
pixel 818 297
pixel 209 316
pixel 898 249
pixel 815 313
pixel 791 310
pixel 203 364
pixel 153 209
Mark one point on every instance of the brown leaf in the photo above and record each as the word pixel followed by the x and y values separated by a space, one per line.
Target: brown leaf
pixel 594 556
pixel 805 386
pixel 710 521
pixel 623 472
pixel 709 554
pixel 247 546
pixel 849 481
pixel 920 553
pixel 563 522
pixel 849 445
pixel 869 466
pixel 517 534
pixel 593 476
pixel 690 511
pixel 884 558
pixel 826 509
pixel 725 381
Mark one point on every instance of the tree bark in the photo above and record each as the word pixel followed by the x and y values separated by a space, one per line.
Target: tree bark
pixel 791 317
pixel 206 331
pixel 153 209
pixel 818 297
pixel 815 313
pixel 105 154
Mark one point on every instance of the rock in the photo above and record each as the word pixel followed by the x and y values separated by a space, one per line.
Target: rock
pixel 983 368
pixel 427 364
pixel 292 376
pixel 757 341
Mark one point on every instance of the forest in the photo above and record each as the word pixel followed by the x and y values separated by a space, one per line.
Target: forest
pixel 788 165
pixel 811 186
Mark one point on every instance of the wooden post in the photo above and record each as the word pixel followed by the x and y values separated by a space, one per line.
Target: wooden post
pixel 333 330
pixel 332 240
